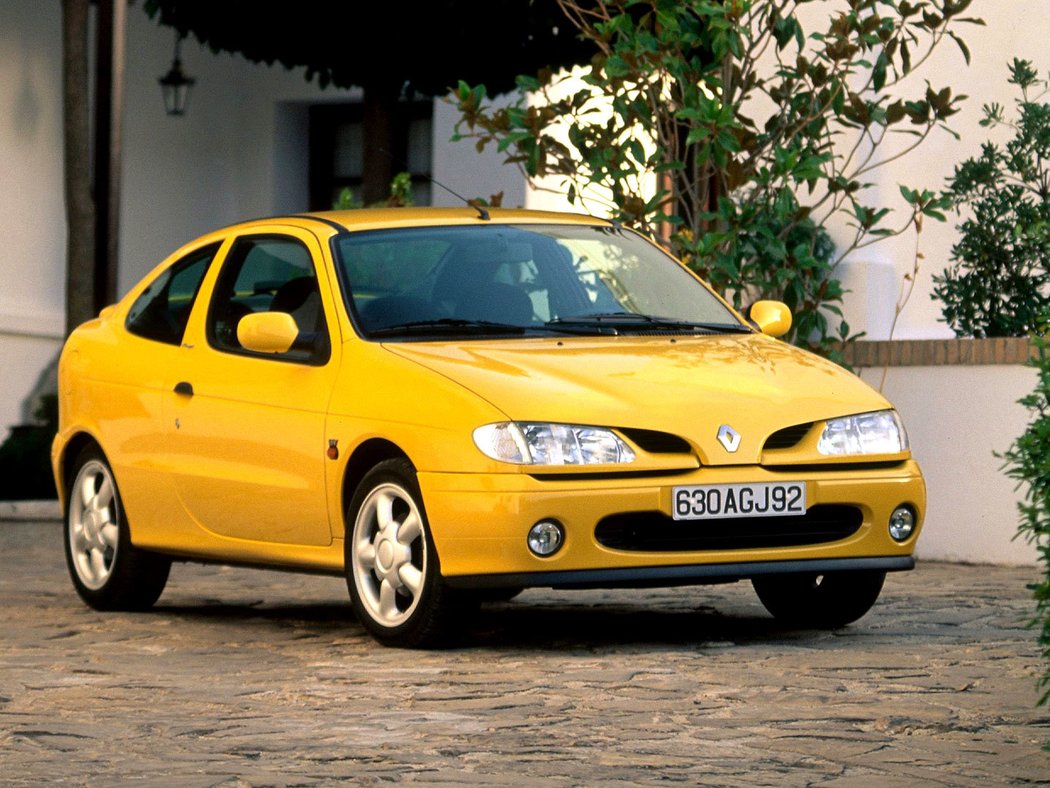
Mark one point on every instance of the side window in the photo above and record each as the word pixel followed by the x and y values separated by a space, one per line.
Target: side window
pixel 269 274
pixel 162 310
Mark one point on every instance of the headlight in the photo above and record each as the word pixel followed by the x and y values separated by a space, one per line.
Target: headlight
pixel 880 432
pixel 529 443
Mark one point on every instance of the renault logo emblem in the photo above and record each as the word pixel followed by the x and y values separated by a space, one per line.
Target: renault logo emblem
pixel 729 438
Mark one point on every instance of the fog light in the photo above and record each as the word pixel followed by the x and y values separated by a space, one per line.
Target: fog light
pixel 546 538
pixel 902 523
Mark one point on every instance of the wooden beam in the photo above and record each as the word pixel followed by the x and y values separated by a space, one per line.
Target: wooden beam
pixel 80 204
pixel 109 104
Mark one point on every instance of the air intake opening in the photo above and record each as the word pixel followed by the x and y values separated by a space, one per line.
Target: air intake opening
pixel 656 532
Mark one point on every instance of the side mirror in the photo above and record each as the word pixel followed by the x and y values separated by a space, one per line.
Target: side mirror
pixel 771 317
pixel 267 332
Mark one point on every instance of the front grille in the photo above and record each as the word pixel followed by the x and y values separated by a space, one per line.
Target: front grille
pixel 656 442
pixel 652 532
pixel 787 437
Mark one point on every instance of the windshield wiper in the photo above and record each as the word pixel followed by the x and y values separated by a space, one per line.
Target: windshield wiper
pixel 600 323
pixel 635 321
pixel 447 325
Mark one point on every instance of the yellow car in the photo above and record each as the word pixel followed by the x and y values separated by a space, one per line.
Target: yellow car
pixel 450 405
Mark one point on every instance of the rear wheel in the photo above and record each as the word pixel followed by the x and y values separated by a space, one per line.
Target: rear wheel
pixel 819 601
pixel 392 568
pixel 108 572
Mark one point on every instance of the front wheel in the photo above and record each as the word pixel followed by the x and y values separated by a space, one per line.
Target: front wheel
pixel 392 568
pixel 815 601
pixel 108 572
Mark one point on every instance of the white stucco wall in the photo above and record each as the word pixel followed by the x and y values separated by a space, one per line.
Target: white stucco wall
pixel 459 167
pixel 958 418
pixel 32 222
pixel 240 151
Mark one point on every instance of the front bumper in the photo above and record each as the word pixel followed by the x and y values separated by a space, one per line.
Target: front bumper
pixel 479 524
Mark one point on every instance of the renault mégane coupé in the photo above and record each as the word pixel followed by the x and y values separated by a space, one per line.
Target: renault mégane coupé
pixel 451 405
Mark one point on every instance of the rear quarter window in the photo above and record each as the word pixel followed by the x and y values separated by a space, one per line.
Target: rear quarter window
pixel 161 311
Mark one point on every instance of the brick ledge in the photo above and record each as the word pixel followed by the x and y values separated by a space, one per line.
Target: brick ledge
pixel 939 352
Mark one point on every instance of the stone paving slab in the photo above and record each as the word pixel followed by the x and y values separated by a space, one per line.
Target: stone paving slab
pixel 248 678
pixel 29 511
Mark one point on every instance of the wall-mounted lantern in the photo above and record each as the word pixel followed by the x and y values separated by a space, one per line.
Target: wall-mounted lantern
pixel 175 85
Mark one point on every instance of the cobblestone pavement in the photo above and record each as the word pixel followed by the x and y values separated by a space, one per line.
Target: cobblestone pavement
pixel 243 677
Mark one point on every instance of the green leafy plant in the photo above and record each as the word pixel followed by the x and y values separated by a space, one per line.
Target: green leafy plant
pixel 1028 461
pixel 25 456
pixel 998 284
pixel 400 195
pixel 726 130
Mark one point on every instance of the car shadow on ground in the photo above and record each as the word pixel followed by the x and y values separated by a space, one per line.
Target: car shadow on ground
pixel 612 625
pixel 558 626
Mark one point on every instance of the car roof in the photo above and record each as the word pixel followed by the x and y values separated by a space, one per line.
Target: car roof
pixel 385 218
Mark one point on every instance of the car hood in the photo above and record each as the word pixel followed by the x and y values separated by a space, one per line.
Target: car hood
pixel 686 386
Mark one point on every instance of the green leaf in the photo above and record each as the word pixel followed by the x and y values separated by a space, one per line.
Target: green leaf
pixel 962 46
pixel 879 73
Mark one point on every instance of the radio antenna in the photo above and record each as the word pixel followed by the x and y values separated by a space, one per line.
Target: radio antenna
pixel 483 213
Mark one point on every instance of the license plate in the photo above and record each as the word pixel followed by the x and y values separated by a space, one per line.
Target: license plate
pixel 717 501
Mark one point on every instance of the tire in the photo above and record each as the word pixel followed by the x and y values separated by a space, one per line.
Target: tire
pixel 392 569
pixel 814 601
pixel 108 572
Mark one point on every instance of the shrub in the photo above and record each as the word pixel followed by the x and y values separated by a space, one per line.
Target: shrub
pixel 722 127
pixel 25 457
pixel 998 283
pixel 1028 461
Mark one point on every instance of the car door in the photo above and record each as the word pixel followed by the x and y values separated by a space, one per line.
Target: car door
pixel 249 428
pixel 130 391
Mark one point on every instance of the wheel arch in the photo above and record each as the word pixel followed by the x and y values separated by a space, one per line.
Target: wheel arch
pixel 76 444
pixel 365 457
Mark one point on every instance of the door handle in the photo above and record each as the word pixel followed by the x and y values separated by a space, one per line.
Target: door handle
pixel 184 388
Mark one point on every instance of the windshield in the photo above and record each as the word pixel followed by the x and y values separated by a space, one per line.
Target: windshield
pixel 423 283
